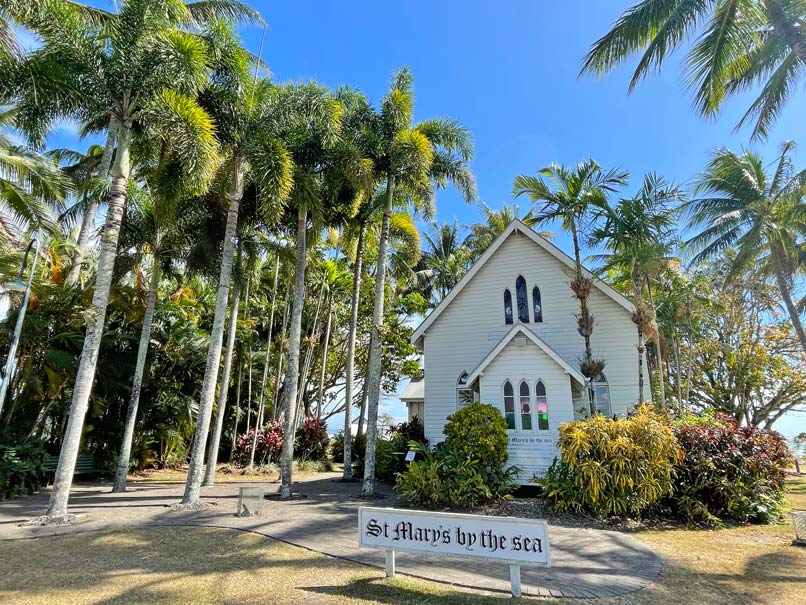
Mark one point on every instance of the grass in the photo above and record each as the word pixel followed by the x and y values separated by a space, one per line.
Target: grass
pixel 745 565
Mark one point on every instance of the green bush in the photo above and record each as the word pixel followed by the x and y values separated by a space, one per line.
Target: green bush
pixel 468 468
pixel 729 472
pixel 21 467
pixel 613 467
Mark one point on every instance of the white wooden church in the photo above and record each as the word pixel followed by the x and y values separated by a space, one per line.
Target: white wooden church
pixel 506 335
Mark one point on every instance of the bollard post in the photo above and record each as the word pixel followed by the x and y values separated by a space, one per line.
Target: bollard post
pixel 515 579
pixel 390 563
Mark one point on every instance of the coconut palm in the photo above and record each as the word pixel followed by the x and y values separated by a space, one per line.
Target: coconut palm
pixel 445 261
pixel 763 215
pixel 482 235
pixel 638 232
pixel 142 69
pixel 737 46
pixel 414 158
pixel 571 196
pixel 31 185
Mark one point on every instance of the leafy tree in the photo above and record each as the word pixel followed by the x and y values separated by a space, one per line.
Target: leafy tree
pixel 482 235
pixel 738 46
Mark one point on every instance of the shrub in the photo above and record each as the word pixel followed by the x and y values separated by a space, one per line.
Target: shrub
pixel 613 467
pixel 269 445
pixel 390 453
pixel 357 451
pixel 311 440
pixel 729 472
pixel 21 467
pixel 468 468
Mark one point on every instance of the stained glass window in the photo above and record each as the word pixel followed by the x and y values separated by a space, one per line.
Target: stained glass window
pixel 507 306
pixel 509 405
pixel 526 407
pixel 602 394
pixel 536 305
pixel 523 300
pixel 542 404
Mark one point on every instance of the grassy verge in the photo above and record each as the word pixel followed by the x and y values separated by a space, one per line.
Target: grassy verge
pixel 744 565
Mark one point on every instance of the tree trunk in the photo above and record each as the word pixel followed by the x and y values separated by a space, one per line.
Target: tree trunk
pixel 375 346
pixel 223 388
pixel 281 357
pixel 584 313
pixel 137 381
pixel 266 361
pixel 308 361
pixel 347 473
pixel 677 373
pixel 194 478
pixel 85 377
pixel 690 363
pixel 237 406
pixel 788 30
pixel 292 371
pixel 88 214
pixel 325 346
pixel 778 253
pixel 662 390
pixel 641 346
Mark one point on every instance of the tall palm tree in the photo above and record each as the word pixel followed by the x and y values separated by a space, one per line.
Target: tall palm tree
pixel 763 215
pixel 637 232
pixel 482 235
pixel 573 196
pixel 165 228
pixel 445 261
pixel 415 158
pixel 142 69
pixel 738 46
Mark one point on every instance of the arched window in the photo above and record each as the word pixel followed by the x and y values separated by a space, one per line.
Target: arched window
pixel 525 407
pixel 464 395
pixel 542 405
pixel 509 405
pixel 508 306
pixel 601 392
pixel 523 300
pixel 537 306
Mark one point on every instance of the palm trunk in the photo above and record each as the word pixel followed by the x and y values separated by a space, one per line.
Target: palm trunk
pixel 584 313
pixel 778 253
pixel 194 478
pixel 690 363
pixel 677 373
pixel 662 390
pixel 347 473
pixel 375 346
pixel 308 362
pixel 789 30
pixel 281 358
pixel 88 216
pixel 641 346
pixel 292 371
pixel 223 389
pixel 362 410
pixel 137 381
pixel 237 407
pixel 262 398
pixel 85 377
pixel 325 350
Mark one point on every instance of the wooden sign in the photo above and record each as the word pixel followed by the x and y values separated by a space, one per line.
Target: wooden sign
pixel 503 539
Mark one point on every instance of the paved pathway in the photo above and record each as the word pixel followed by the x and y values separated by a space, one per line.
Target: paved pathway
pixel 586 563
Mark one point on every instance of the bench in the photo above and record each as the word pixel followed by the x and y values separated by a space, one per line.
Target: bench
pixel 85 465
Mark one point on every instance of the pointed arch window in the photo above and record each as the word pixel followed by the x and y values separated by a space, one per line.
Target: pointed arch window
pixel 542 405
pixel 525 407
pixel 509 405
pixel 507 306
pixel 523 299
pixel 537 305
pixel 464 395
pixel 601 393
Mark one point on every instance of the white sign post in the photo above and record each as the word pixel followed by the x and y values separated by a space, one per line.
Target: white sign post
pixel 502 539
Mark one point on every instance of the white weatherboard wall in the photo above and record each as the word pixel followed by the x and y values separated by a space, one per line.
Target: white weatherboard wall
pixel 473 323
pixel 531 451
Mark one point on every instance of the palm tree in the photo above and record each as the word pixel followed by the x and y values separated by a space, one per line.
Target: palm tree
pixel 141 69
pixel 762 215
pixel 445 261
pixel 576 194
pixel 31 185
pixel 165 229
pixel 637 232
pixel 482 235
pixel 738 46
pixel 413 158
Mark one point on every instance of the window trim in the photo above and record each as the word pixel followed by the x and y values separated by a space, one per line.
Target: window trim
pixel 606 384
pixel 509 318
pixel 504 405
pixel 531 414
pixel 537 413
pixel 538 317
pixel 524 319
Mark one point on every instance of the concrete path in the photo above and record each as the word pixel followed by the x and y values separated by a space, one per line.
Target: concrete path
pixel 586 563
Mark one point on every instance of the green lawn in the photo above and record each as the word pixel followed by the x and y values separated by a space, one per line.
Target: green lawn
pixel 745 565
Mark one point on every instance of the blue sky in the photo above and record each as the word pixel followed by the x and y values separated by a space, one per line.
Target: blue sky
pixel 508 71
